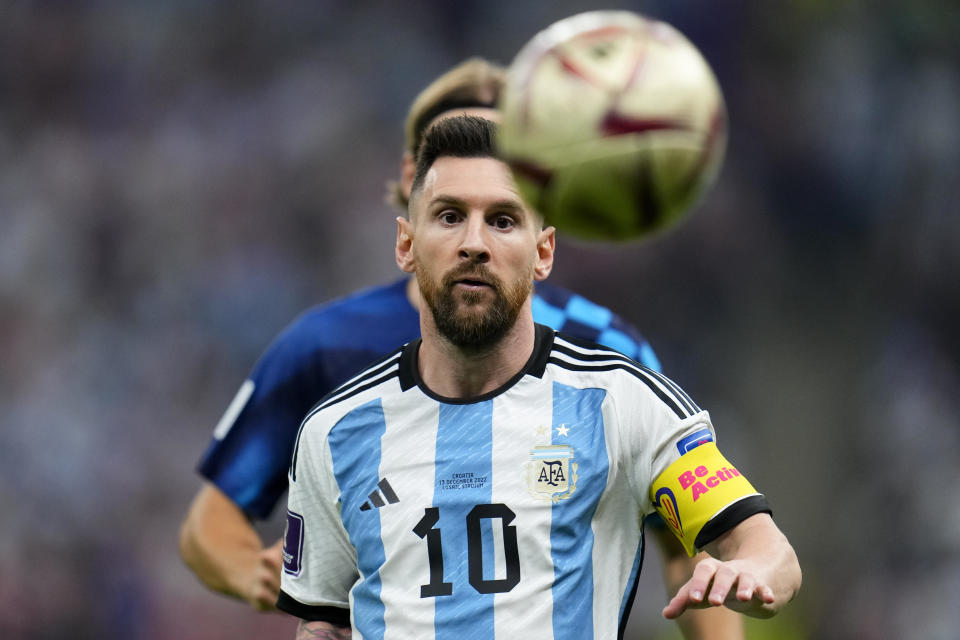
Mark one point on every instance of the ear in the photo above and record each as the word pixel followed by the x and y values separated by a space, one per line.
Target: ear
pixel 404 249
pixel 408 170
pixel 545 247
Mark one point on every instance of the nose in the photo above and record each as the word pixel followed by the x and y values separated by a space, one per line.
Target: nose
pixel 473 246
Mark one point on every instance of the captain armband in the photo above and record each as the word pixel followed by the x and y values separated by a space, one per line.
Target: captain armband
pixel 694 489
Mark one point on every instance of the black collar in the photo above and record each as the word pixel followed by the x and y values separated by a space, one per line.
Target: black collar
pixel 535 366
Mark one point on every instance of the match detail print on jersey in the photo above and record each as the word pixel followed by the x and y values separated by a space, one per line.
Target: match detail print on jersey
pixel 694 489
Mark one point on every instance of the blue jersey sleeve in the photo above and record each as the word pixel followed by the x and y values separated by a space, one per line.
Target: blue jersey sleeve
pixel 250 452
pixel 575 315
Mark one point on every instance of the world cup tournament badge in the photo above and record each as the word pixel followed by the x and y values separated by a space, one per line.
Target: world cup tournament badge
pixel 551 472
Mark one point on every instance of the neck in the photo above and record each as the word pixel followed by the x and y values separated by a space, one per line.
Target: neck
pixel 453 372
pixel 413 293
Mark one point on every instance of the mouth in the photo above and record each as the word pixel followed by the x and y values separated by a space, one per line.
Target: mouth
pixel 472 284
pixel 472 279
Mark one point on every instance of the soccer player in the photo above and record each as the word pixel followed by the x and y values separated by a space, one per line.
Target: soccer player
pixel 245 466
pixel 489 479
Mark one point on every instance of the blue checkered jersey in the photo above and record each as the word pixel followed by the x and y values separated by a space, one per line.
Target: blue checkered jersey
pixel 249 454
pixel 516 514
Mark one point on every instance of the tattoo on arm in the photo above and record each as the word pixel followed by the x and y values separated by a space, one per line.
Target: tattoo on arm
pixel 315 630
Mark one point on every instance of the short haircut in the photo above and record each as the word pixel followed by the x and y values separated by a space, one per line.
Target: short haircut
pixel 474 83
pixel 457 137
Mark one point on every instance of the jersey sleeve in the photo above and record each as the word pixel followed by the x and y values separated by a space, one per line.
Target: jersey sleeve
pixel 249 454
pixel 677 470
pixel 319 561
pixel 627 339
pixel 579 317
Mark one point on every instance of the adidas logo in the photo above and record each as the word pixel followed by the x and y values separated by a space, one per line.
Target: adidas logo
pixel 376 500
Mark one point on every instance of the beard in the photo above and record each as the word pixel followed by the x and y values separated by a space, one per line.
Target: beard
pixel 465 318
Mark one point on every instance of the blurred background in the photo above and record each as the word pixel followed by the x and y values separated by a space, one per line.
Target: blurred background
pixel 178 180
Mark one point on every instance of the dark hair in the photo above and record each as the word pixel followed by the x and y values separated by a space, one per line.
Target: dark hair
pixel 450 104
pixel 457 137
pixel 474 83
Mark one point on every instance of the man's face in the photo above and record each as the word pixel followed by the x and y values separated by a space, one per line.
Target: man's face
pixel 475 248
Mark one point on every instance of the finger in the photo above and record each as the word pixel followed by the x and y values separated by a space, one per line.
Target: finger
pixel 692 592
pixel 746 587
pixel 678 604
pixel 703 575
pixel 723 580
pixel 765 592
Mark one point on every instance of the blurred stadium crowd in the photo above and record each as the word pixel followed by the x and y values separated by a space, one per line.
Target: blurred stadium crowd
pixel 178 180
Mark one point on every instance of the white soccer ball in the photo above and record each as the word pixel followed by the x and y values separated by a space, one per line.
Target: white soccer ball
pixel 613 124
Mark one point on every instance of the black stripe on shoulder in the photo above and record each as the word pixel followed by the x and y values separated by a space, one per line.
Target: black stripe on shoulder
pixel 730 517
pixel 313 613
pixel 677 389
pixel 607 354
pixel 660 393
pixel 611 354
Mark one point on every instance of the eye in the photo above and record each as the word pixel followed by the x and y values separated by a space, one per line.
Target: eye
pixel 503 222
pixel 449 216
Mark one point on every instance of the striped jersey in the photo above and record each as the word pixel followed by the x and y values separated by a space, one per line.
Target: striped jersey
pixel 249 454
pixel 517 514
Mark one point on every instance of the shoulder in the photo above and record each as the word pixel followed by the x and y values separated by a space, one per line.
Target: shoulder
pixel 343 319
pixel 574 353
pixel 584 362
pixel 379 302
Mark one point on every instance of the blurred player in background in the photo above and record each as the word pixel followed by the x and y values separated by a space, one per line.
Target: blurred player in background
pixel 501 466
pixel 245 466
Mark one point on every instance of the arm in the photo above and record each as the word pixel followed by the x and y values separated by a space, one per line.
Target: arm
pixel 221 547
pixel 753 570
pixel 714 623
pixel 314 630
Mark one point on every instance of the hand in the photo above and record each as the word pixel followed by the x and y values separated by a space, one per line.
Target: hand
pixel 265 584
pixel 734 583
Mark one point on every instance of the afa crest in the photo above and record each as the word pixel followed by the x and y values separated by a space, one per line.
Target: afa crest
pixel 551 472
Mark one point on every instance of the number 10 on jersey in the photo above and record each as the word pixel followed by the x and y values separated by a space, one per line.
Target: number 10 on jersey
pixel 426 529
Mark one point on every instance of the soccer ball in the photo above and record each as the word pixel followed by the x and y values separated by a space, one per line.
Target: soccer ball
pixel 613 124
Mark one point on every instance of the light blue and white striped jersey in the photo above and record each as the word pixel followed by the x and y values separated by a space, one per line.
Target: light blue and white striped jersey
pixel 517 514
pixel 249 454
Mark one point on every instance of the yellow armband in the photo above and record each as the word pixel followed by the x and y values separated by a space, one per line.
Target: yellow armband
pixel 695 488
